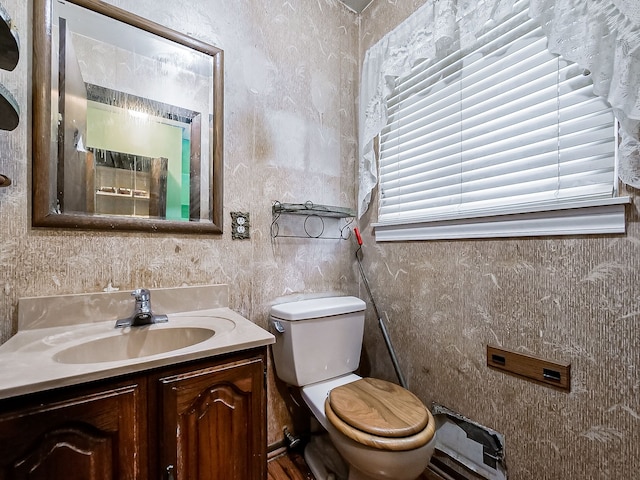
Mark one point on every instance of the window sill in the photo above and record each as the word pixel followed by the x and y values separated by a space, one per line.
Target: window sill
pixel 605 217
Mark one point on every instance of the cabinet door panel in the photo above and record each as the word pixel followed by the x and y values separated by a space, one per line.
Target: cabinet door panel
pixel 93 436
pixel 64 452
pixel 213 422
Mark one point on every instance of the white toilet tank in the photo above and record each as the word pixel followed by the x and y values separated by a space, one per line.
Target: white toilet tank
pixel 317 339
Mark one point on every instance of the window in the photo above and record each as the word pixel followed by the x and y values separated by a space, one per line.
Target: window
pixel 505 139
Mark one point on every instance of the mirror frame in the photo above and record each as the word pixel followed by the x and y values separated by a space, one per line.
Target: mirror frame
pixel 42 144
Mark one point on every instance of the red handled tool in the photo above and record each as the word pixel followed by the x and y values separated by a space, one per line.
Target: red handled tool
pixel 383 327
pixel 358 237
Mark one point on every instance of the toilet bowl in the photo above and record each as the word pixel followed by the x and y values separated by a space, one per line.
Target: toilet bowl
pixel 388 453
pixel 371 464
pixel 381 430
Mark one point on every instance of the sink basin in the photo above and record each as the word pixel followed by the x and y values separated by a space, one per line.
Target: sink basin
pixel 134 343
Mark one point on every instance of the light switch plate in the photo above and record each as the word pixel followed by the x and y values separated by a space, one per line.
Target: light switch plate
pixel 240 225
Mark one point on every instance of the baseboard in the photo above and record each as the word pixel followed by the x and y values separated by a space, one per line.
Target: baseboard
pixel 276 449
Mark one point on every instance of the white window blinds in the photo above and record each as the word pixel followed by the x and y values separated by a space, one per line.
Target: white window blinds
pixel 504 128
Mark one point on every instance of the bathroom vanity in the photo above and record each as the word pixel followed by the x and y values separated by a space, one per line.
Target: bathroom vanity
pixel 74 404
pixel 204 419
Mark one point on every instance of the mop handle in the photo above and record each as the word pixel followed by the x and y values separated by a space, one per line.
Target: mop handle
pixel 383 327
pixel 362 274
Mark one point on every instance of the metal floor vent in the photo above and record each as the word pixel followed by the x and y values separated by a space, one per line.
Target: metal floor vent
pixel 444 467
pixel 465 450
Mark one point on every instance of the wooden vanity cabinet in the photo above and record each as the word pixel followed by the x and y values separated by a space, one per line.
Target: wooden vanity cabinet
pixel 204 420
pixel 211 422
pixel 97 434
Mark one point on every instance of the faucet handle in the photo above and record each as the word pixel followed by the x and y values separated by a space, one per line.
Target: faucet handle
pixel 141 294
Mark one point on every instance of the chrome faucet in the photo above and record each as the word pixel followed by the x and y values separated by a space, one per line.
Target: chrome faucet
pixel 142 314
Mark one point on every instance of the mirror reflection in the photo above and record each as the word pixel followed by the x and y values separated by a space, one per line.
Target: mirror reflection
pixel 135 123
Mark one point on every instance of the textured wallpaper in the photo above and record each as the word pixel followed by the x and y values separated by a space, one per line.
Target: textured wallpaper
pixel 573 299
pixel 291 74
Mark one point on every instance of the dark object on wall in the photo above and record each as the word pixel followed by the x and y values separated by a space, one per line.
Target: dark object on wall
pixel 9 42
pixel 9 56
pixel 9 110
pixel 529 367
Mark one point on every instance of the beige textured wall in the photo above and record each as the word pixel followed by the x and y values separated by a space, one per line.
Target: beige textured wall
pixel 290 80
pixel 569 299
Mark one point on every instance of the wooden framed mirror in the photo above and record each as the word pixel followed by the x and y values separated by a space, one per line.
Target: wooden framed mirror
pixel 127 122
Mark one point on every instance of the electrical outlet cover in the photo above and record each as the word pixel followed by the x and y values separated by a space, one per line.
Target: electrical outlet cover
pixel 240 225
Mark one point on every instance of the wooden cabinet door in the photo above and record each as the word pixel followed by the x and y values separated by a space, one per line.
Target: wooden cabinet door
pixel 98 435
pixel 212 422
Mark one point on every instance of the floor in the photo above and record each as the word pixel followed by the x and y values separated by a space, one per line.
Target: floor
pixel 291 466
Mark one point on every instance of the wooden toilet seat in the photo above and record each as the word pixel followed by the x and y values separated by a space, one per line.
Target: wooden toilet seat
pixel 379 414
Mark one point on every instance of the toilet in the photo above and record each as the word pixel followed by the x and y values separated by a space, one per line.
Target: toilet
pixel 380 429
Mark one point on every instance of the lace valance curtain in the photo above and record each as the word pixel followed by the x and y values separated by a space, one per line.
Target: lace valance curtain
pixel 602 36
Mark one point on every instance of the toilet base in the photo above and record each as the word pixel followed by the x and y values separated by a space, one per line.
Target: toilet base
pixel 326 463
pixel 323 459
pixel 381 464
pixel 355 474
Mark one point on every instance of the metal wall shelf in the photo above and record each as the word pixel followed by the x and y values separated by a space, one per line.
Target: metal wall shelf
pixel 313 213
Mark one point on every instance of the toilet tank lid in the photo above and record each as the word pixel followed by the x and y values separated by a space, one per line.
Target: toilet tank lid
pixel 317 307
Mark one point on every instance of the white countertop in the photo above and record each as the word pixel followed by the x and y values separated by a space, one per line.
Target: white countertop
pixel 28 360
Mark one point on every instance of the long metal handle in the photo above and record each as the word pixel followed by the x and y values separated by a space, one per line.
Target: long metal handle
pixel 392 354
pixel 169 473
pixel 383 327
